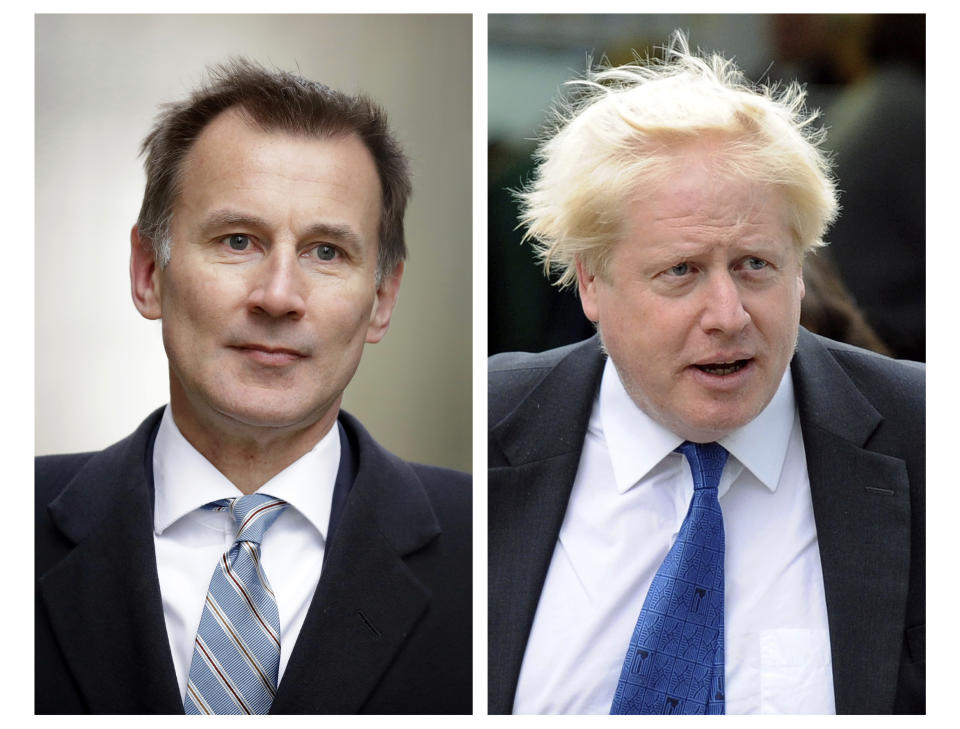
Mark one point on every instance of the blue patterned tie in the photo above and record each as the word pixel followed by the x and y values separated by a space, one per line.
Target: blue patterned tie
pixel 236 656
pixel 674 664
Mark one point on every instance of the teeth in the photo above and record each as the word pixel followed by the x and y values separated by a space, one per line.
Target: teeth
pixel 722 368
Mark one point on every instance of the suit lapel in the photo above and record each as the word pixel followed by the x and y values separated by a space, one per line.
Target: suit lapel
pixel 860 499
pixel 103 599
pixel 862 510
pixel 530 482
pixel 367 601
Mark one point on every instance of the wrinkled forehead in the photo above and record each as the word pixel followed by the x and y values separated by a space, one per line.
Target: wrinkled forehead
pixel 283 180
pixel 237 133
pixel 700 189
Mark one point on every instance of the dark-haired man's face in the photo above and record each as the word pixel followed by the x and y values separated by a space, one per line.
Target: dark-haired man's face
pixel 270 292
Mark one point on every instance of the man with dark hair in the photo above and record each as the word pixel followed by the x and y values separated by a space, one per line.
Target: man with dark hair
pixel 250 548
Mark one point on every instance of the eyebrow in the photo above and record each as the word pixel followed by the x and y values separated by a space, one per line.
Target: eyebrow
pixel 335 233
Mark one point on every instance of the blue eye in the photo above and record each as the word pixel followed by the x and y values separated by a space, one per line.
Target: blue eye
pixel 681 269
pixel 756 264
pixel 326 252
pixel 238 241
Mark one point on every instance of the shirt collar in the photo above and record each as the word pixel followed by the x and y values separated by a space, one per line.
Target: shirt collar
pixel 184 480
pixel 637 443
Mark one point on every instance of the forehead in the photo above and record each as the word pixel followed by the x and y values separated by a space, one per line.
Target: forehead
pixel 280 176
pixel 694 202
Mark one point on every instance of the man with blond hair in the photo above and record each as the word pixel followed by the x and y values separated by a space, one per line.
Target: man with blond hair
pixel 703 509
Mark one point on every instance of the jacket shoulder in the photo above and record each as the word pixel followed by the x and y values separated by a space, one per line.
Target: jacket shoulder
pixel 520 361
pixel 84 485
pixel 456 485
pixel 451 496
pixel 512 376
pixel 51 474
pixel 445 492
pixel 896 388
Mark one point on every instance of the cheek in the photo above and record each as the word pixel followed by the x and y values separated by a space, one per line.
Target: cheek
pixel 347 311
pixel 777 317
pixel 201 302
pixel 647 333
pixel 795 293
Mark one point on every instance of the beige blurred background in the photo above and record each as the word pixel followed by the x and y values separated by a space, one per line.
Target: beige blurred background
pixel 100 367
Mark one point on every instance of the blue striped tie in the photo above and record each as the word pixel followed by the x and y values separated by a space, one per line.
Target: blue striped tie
pixel 674 664
pixel 236 656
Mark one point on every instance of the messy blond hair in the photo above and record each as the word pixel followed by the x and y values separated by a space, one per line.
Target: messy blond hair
pixel 619 135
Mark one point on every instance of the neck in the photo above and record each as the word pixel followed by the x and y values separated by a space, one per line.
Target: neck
pixel 249 456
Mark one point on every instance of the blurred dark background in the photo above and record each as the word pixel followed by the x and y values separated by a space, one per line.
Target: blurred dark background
pixel 864 72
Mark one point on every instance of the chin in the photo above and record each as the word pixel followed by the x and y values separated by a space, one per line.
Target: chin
pixel 720 424
pixel 269 415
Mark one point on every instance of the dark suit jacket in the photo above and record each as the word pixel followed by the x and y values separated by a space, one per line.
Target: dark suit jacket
pixel 388 631
pixel 862 418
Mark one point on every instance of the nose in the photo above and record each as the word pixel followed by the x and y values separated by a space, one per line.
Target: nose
pixel 723 309
pixel 277 289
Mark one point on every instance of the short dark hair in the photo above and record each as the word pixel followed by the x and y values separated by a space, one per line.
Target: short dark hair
pixel 275 101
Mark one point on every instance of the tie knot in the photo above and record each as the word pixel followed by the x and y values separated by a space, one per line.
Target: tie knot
pixel 706 463
pixel 253 514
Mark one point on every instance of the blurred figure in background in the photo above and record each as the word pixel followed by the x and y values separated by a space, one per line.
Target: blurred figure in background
pixel 867 72
pixel 828 308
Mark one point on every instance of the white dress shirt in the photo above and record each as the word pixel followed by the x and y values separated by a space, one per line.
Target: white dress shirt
pixel 189 540
pixel 629 498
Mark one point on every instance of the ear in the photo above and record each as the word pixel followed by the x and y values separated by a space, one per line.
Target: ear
pixel 587 286
pixel 387 294
pixel 144 276
pixel 803 287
